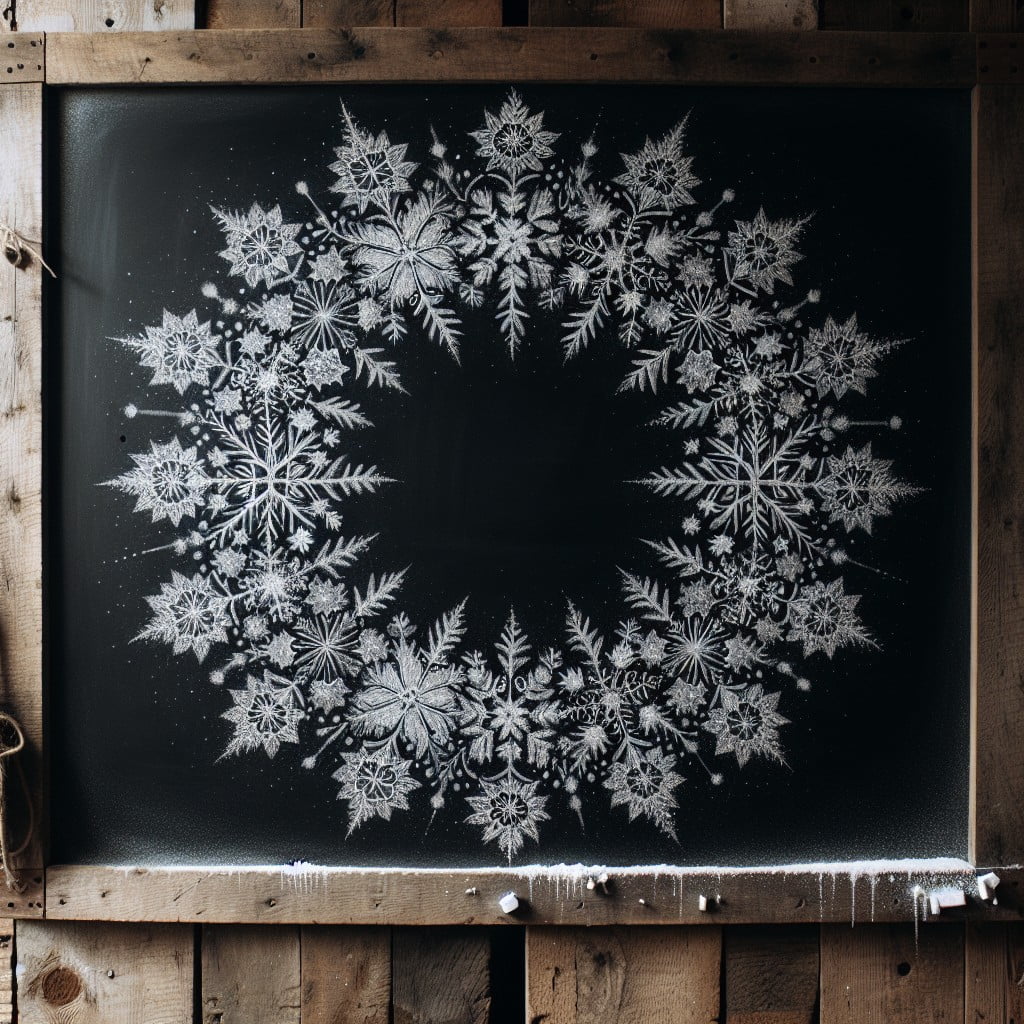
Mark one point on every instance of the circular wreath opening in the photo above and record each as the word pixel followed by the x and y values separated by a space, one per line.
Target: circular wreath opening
pixel 770 483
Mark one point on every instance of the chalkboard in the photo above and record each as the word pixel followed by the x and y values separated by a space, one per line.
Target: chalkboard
pixel 460 475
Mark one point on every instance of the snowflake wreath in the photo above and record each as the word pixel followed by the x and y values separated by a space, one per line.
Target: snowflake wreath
pixel 769 477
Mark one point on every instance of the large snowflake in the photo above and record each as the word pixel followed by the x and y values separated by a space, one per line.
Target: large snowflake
pixel 770 478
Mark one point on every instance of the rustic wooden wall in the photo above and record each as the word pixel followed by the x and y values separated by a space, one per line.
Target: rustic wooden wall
pixel 80 973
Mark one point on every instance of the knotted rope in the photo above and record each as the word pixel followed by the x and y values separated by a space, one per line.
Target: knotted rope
pixel 15 246
pixel 7 855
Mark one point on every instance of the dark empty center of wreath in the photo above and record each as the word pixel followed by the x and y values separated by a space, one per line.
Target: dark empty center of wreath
pixel 514 477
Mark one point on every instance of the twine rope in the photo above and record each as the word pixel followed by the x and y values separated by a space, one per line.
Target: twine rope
pixel 7 855
pixel 15 245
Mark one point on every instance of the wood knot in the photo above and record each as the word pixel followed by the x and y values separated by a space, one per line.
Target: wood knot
pixel 61 986
pixel 15 255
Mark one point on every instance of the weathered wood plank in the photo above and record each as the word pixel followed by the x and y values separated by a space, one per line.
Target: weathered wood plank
pixel 251 974
pixel 881 974
pixel 6 970
pixel 930 15
pixel 771 15
pixel 999 58
pixel 513 54
pixel 345 13
pixel 21 608
pixel 894 15
pixel 995 15
pixel 855 15
pixel 73 973
pixel 447 13
pixel 440 976
pixel 771 975
pixel 994 969
pixel 998 760
pixel 636 14
pixel 253 14
pixel 104 15
pixel 22 57
pixel 623 976
pixel 346 975
pixel 382 897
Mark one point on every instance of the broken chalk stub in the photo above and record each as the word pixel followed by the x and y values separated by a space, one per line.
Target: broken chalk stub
pixel 702 904
pixel 945 898
pixel 987 884
pixel 509 903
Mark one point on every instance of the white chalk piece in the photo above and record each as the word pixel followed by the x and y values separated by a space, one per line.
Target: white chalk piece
pixel 471 892
pixel 987 884
pixel 509 903
pixel 952 898
pixel 945 898
pixel 591 884
pixel 702 904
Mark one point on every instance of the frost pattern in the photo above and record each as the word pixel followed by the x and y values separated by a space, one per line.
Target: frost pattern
pixel 311 643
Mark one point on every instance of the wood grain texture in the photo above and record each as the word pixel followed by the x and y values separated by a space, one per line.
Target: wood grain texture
pixel 996 15
pixel 104 15
pixel 251 974
pixel 994 971
pixel 21 606
pixel 22 57
pixel 375 897
pixel 346 975
pixel 440 976
pixel 770 15
pixel 367 896
pixel 346 13
pixel 253 14
pixel 635 14
pixel 998 759
pixel 623 976
pixel 894 15
pixel 73 973
pixel 881 974
pixel 771 975
pixel 855 15
pixel 6 970
pixel 1000 58
pixel 447 13
pixel 517 54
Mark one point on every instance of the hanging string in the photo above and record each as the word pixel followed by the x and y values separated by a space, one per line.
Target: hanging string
pixel 15 245
pixel 7 855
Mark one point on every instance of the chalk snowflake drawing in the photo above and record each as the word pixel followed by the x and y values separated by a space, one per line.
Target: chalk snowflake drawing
pixel 282 606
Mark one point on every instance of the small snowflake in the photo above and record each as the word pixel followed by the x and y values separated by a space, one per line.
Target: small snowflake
pixel 264 715
pixel 259 243
pixel 514 140
pixel 375 784
pixel 168 482
pixel 180 352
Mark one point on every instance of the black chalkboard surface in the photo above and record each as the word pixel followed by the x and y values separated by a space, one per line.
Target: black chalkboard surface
pixel 462 475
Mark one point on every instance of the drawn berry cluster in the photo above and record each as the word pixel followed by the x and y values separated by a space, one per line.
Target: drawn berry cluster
pixel 285 610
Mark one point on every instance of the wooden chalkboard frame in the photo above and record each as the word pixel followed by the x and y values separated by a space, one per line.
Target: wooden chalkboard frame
pixel 985 64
